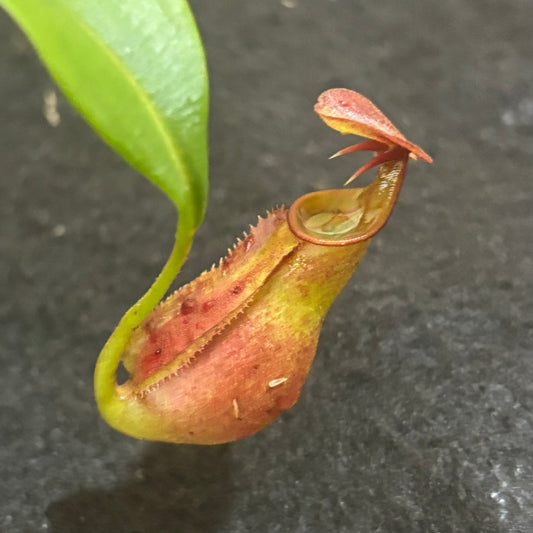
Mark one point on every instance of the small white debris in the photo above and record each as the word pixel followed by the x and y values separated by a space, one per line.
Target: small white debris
pixel 291 4
pixel 277 382
pixel 50 108
pixel 236 411
pixel 59 230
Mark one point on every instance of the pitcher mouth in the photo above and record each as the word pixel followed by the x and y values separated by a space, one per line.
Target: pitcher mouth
pixel 340 217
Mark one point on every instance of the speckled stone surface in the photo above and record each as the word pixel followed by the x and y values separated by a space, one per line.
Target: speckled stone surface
pixel 418 414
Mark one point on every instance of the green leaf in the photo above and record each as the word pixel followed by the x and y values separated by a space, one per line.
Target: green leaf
pixel 136 70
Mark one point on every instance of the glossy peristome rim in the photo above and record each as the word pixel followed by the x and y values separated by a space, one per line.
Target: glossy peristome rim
pixel 296 224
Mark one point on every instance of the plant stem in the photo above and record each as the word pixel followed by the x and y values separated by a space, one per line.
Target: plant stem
pixel 110 404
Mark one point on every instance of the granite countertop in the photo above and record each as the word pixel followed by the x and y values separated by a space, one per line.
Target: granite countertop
pixel 418 413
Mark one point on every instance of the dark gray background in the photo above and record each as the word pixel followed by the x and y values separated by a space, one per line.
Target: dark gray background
pixel 418 413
